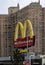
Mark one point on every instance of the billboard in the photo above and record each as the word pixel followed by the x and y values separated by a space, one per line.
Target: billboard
pixel 22 42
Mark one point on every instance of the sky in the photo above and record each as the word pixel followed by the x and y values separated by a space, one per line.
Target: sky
pixel 5 4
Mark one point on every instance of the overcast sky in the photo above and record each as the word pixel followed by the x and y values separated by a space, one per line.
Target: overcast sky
pixel 4 4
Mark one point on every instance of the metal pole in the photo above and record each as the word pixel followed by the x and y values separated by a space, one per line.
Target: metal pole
pixel 29 60
pixel 27 48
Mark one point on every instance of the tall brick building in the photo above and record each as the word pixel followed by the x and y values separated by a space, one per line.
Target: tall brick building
pixel 36 14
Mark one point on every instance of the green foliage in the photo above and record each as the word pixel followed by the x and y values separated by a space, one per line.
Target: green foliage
pixel 18 57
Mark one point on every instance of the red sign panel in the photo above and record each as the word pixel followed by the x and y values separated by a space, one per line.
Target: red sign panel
pixel 22 42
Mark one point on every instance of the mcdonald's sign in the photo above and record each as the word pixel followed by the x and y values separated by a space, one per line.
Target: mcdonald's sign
pixel 22 42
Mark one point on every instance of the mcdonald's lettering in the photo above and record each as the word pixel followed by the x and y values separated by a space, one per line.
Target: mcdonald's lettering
pixel 22 42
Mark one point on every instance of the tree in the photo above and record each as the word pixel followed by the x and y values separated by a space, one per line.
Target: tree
pixel 18 57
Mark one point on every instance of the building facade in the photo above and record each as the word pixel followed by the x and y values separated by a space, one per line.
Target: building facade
pixel 3 34
pixel 6 38
pixel 36 14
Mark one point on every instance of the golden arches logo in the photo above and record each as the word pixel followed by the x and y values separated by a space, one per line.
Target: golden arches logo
pixel 23 29
pixel 22 42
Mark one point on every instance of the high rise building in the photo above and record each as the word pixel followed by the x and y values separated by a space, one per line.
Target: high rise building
pixel 36 14
pixel 6 37
pixel 3 35
pixel 12 10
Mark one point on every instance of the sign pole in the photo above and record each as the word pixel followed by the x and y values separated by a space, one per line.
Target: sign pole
pixel 27 48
